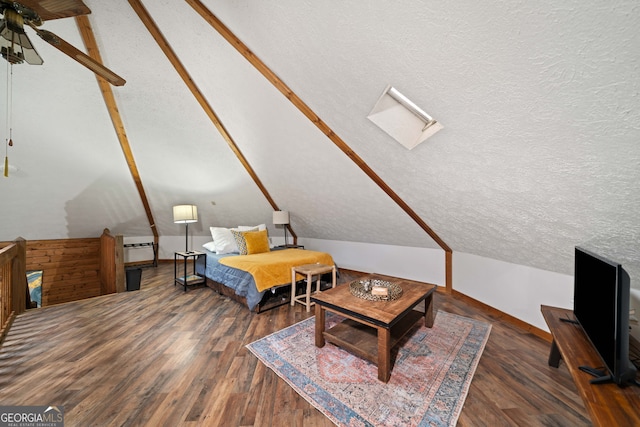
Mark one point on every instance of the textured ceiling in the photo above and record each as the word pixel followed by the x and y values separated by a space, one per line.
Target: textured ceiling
pixel 540 103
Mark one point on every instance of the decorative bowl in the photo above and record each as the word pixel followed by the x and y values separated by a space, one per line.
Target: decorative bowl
pixel 362 289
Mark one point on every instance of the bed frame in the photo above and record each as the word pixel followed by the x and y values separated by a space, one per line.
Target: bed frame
pixel 281 296
pixel 269 300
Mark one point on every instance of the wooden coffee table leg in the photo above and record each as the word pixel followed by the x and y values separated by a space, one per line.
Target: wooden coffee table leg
pixel 428 311
pixel 384 354
pixel 319 325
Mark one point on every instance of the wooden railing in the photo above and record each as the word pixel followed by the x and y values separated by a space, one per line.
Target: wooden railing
pixel 111 263
pixel 13 283
pixel 53 258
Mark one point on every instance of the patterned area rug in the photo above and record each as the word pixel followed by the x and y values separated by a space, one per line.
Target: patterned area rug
pixel 431 372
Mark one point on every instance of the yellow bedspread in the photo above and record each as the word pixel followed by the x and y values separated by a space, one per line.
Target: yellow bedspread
pixel 273 268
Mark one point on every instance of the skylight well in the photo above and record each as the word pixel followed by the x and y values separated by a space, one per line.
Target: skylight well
pixel 402 119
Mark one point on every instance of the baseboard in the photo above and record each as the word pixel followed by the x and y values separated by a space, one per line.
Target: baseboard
pixel 504 317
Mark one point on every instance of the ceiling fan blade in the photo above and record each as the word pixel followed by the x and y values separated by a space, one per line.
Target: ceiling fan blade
pixel 55 9
pixel 80 56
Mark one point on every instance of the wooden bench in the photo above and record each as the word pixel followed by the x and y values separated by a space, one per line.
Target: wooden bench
pixel 607 404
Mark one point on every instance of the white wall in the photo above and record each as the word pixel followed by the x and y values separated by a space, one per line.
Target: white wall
pixel 166 247
pixel 422 264
pixel 515 289
pixel 144 253
pixel 511 288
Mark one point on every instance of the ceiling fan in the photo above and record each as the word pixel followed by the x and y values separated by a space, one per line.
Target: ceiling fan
pixel 16 47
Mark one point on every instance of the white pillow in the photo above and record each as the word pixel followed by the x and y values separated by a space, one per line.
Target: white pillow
pixel 223 240
pixel 260 227
pixel 210 246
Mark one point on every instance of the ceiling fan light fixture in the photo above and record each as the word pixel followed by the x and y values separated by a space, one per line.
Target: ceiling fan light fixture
pixel 15 46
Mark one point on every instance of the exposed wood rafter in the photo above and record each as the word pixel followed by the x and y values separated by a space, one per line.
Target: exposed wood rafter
pixel 320 124
pixel 164 45
pixel 107 93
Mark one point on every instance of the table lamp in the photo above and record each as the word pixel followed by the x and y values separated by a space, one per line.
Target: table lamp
pixel 185 214
pixel 282 218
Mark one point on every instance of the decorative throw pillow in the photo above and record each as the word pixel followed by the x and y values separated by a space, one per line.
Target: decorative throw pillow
pixel 210 246
pixel 241 243
pixel 224 241
pixel 257 241
pixel 258 227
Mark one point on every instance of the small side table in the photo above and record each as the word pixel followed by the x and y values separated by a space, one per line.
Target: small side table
pixel 310 270
pixel 186 279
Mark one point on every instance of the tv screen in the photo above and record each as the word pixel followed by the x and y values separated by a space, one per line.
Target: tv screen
pixel 601 306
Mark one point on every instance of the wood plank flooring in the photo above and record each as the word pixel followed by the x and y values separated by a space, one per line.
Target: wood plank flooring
pixel 160 356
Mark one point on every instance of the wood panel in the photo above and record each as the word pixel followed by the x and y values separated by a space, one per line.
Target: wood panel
pixel 13 284
pixel 70 268
pixel 111 263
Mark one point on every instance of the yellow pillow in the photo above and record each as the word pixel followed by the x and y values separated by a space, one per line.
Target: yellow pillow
pixel 257 241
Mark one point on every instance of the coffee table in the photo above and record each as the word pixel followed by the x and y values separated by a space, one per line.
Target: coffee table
pixel 372 328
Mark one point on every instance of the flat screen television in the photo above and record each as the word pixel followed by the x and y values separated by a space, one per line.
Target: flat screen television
pixel 601 306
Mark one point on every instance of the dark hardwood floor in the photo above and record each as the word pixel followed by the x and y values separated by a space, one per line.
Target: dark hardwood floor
pixel 160 356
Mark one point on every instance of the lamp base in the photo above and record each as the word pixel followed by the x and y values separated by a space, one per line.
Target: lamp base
pixel 186 238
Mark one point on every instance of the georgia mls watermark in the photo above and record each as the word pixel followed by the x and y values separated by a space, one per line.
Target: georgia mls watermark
pixel 31 416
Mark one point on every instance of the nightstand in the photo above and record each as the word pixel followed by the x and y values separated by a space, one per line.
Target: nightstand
pixel 186 279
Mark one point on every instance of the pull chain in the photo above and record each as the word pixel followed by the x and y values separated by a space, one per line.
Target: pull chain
pixel 9 106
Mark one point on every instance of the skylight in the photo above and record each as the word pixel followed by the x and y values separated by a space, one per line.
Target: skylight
pixel 402 119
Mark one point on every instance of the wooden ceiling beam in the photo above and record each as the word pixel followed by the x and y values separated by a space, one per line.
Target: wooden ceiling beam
pixel 244 50
pixel 107 93
pixel 164 45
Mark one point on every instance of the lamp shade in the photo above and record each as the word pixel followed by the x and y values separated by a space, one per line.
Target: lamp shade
pixel 280 217
pixel 184 214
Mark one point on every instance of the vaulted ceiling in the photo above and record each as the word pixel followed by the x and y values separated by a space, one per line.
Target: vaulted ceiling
pixel 540 104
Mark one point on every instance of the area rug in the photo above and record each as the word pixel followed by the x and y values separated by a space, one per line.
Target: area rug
pixel 431 372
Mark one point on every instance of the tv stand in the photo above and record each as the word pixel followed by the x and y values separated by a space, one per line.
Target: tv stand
pixel 607 403
pixel 601 376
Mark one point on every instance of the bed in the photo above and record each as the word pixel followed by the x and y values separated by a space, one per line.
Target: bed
pixel 259 280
